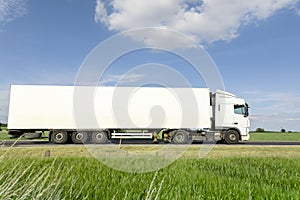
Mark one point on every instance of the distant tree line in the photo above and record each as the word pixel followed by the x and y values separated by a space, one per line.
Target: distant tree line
pixel 261 130
pixel 3 125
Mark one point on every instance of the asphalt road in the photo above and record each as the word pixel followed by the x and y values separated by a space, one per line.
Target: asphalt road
pixel 24 143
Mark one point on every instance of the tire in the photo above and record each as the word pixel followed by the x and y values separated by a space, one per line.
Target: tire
pixel 59 137
pixel 99 137
pixel 232 137
pixel 79 137
pixel 180 137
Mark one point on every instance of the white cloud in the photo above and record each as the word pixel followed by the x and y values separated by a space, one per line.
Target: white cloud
pixel 11 9
pixel 161 37
pixel 293 119
pixel 120 79
pixel 206 21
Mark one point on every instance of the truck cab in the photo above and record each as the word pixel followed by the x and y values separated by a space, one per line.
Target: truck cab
pixel 231 117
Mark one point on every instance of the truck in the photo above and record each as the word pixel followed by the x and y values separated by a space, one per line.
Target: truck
pixel 96 114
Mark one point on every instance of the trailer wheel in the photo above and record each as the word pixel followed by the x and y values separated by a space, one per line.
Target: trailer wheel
pixel 99 137
pixel 59 137
pixel 180 137
pixel 232 137
pixel 79 137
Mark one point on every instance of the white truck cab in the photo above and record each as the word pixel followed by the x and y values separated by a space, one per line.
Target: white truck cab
pixel 231 116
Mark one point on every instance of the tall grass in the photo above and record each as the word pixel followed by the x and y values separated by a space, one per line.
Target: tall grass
pixel 86 178
pixel 37 179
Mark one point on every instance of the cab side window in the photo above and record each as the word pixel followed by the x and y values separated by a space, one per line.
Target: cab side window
pixel 239 109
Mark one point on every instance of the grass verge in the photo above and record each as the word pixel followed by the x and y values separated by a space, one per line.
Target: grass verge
pixel 274 136
pixel 224 151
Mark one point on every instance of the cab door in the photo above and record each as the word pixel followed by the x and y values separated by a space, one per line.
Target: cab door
pixel 241 119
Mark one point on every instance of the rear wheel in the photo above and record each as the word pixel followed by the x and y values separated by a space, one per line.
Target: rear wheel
pixel 180 137
pixel 79 137
pixel 232 137
pixel 59 137
pixel 99 137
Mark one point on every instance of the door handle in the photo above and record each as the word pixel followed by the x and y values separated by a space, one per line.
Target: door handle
pixel 235 123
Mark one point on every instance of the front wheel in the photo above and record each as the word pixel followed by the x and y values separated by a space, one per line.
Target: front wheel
pixel 232 137
pixel 59 137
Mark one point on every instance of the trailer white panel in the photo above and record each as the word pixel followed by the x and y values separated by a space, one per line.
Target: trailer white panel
pixel 71 107
pixel 40 107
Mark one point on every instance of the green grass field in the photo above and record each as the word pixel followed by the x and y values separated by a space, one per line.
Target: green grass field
pixel 274 136
pixel 86 178
pixel 229 172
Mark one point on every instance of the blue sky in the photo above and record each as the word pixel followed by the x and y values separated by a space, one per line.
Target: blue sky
pixel 255 45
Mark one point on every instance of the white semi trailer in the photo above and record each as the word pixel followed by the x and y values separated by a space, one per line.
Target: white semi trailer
pixel 177 115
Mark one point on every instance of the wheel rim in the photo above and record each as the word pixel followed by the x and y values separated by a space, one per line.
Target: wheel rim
pixel 59 136
pixel 232 137
pixel 99 136
pixel 179 137
pixel 79 136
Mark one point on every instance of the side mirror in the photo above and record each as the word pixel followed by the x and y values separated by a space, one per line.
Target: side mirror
pixel 247 110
